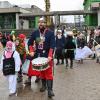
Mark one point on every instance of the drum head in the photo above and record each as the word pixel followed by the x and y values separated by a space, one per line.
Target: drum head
pixel 40 63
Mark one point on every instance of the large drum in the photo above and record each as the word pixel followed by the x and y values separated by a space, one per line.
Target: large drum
pixel 40 63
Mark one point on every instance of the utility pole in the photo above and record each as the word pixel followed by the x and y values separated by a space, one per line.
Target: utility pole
pixel 47 9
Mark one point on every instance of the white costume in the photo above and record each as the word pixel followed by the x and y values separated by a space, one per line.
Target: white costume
pixel 12 79
pixel 83 53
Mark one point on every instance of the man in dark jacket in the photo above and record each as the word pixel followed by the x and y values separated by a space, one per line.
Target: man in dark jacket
pixel 45 44
pixel 60 42
pixel 70 47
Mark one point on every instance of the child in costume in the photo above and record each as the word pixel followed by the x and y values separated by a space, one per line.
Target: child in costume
pixel 10 65
pixel 20 47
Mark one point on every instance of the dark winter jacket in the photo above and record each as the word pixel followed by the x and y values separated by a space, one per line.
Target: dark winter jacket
pixel 70 47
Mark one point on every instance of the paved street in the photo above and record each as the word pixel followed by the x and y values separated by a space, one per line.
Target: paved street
pixel 80 83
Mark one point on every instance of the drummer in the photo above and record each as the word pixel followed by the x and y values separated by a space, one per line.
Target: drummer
pixel 45 44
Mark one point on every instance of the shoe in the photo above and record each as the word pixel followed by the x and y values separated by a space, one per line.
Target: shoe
pixel 81 61
pixel 62 63
pixel 19 79
pixel 50 93
pixel 66 66
pixel 43 88
pixel 37 80
pixel 71 67
pixel 97 60
pixel 57 63
pixel 50 90
pixel 27 82
pixel 12 94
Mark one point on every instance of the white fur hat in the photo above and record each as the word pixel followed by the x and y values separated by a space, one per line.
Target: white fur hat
pixel 81 35
pixel 70 33
pixel 59 31
pixel 41 19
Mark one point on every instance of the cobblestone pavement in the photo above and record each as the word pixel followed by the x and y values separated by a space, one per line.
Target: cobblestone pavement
pixel 80 83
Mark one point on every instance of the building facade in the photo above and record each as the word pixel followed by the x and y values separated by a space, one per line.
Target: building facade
pixel 93 19
pixel 10 16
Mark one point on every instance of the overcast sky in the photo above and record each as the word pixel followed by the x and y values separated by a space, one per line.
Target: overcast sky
pixel 55 4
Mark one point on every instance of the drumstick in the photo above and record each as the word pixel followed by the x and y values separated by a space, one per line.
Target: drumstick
pixel 95 41
pixel 53 61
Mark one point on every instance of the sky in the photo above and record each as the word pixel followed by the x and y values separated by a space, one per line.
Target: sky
pixel 56 5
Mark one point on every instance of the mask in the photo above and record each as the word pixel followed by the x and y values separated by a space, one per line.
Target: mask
pixel 59 36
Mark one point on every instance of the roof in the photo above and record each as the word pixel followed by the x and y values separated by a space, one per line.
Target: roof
pixel 35 9
pixel 14 10
pixel 78 12
pixel 6 7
